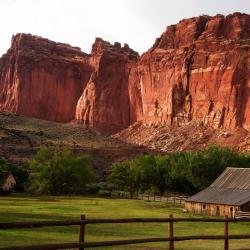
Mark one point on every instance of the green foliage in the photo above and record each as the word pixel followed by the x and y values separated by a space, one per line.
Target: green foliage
pixel 124 177
pixel 184 172
pixel 58 172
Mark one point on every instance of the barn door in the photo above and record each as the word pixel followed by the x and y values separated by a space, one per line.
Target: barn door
pixel 217 211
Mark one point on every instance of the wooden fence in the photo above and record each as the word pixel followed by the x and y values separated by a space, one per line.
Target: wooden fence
pixel 174 199
pixel 150 197
pixel 82 244
pixel 240 214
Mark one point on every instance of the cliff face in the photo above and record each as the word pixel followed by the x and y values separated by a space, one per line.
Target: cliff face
pixel 104 103
pixel 198 70
pixel 42 79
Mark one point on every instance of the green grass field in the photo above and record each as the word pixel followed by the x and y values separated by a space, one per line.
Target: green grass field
pixel 23 208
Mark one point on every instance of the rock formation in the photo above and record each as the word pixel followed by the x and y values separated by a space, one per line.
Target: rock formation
pixel 198 70
pixel 42 79
pixel 104 103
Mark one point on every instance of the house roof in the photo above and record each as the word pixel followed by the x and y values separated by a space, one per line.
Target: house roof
pixel 232 187
pixel 3 176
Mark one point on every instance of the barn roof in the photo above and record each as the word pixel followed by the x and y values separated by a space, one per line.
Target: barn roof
pixel 232 187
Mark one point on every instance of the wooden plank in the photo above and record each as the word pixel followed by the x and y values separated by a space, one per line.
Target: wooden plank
pixel 123 242
pixel 82 232
pixel 44 247
pixel 35 224
pixel 226 244
pixel 17 225
pixel 171 233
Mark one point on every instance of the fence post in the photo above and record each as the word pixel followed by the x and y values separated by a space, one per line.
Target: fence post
pixel 171 232
pixel 226 245
pixel 82 232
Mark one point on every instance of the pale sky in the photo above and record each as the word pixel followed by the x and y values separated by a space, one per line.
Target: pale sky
pixel 78 22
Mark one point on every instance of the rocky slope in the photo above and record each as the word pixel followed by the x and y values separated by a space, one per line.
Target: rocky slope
pixel 191 136
pixel 21 137
pixel 196 72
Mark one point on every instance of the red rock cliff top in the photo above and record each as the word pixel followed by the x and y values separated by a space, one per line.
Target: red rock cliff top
pixel 234 26
pixel 36 46
pixel 101 45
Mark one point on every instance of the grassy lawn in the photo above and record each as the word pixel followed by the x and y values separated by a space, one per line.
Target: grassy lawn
pixel 23 208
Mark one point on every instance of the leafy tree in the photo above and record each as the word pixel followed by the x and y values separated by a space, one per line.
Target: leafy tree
pixel 162 173
pixel 124 177
pixel 212 162
pixel 144 168
pixel 184 172
pixel 179 172
pixel 55 172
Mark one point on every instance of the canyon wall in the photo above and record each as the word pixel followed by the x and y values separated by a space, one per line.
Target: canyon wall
pixel 104 103
pixel 198 70
pixel 43 79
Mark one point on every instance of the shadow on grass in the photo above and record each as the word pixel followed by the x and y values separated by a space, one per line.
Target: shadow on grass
pixel 23 217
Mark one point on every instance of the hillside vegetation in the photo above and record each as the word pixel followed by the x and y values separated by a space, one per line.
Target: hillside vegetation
pixel 21 137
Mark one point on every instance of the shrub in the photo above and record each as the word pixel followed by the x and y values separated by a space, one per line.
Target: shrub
pixel 57 172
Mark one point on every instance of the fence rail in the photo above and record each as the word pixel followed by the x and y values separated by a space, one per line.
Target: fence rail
pixel 174 199
pixel 240 214
pixel 150 197
pixel 82 244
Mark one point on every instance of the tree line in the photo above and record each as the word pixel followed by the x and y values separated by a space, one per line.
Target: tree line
pixel 54 171
pixel 182 172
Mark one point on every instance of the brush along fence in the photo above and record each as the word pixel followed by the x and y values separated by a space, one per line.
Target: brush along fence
pixel 82 244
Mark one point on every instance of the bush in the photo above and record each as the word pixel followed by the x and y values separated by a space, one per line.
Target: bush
pixel 59 172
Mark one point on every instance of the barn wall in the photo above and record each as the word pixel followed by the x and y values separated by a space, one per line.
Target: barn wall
pixel 211 209
pixel 245 207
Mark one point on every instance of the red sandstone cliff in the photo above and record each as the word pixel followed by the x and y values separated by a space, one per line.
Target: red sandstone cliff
pixel 198 70
pixel 104 103
pixel 43 79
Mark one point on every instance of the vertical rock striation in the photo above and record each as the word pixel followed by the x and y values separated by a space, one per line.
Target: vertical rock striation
pixel 104 103
pixel 198 70
pixel 43 79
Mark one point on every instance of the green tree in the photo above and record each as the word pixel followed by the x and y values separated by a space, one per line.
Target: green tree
pixel 55 172
pixel 183 172
pixel 180 181
pixel 124 177
pixel 212 162
pixel 162 172
pixel 144 170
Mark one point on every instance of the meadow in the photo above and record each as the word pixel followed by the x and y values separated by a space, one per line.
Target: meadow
pixel 38 208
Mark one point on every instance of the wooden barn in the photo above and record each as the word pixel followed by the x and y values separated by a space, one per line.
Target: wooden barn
pixel 7 182
pixel 227 195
